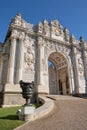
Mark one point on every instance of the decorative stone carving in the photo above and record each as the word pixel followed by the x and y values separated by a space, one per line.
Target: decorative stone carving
pixel 14 33
pixel 56 28
pixel 66 35
pixel 49 45
pixel 17 20
pixel 40 27
pixel 82 43
pixel 40 42
pixel 72 38
pixel 29 59
pixel 23 24
pixel 46 28
pixel 26 41
pixel 80 66
pixel 21 35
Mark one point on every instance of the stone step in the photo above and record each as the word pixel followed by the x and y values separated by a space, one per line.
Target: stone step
pixel 62 97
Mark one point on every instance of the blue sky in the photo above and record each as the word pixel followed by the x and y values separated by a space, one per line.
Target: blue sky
pixel 70 13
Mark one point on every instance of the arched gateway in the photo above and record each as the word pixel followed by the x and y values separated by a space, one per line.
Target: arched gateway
pixel 45 54
pixel 58 74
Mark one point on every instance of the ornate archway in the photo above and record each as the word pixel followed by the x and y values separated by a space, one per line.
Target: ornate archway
pixel 58 74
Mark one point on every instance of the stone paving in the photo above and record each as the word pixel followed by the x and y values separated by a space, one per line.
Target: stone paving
pixel 70 113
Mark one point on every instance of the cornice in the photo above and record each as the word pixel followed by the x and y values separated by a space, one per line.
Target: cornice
pixel 49 38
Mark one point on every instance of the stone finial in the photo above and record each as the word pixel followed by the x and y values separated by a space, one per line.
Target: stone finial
pixel 18 15
pixel 56 28
pixel 81 39
pixel 54 23
pixel 46 29
pixel 82 42
pixel 40 27
pixel 45 22
pixel 72 38
pixel 66 34
pixel 66 31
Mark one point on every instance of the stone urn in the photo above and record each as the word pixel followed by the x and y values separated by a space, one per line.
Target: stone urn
pixel 27 91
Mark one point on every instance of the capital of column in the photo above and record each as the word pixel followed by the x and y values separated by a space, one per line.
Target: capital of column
pixel 21 36
pixel 13 39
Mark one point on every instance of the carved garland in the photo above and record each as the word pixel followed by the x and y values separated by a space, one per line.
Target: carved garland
pixel 29 60
pixel 29 55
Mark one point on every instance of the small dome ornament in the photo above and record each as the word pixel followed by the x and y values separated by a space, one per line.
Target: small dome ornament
pixel 81 39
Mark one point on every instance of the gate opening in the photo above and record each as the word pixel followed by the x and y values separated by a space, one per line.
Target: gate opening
pixel 58 74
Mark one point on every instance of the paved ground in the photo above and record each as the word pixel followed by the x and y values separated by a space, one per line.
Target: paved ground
pixel 69 114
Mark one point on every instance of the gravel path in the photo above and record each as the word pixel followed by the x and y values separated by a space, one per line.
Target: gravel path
pixel 68 114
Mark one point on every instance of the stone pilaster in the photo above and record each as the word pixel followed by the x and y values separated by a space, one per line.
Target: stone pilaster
pixel 75 68
pixel 10 76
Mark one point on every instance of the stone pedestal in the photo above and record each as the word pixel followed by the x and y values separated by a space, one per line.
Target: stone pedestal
pixel 26 113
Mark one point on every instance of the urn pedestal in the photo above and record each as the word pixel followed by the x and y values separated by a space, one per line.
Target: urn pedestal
pixel 27 110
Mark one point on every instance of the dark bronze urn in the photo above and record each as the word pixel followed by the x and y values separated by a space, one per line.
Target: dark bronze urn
pixel 27 90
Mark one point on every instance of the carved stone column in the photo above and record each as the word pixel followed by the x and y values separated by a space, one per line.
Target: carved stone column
pixel 74 63
pixel 10 76
pixel 39 66
pixel 75 68
pixel 21 59
pixel 39 61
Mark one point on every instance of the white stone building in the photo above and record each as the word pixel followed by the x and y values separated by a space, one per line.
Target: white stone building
pixel 25 54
